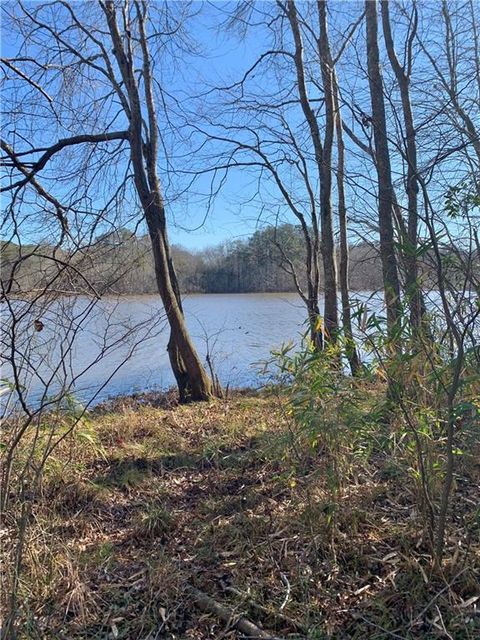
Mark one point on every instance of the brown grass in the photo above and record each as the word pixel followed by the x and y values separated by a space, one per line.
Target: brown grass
pixel 207 495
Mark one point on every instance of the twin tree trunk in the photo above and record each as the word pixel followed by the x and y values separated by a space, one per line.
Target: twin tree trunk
pixel 410 235
pixel 323 156
pixel 334 126
pixel 384 174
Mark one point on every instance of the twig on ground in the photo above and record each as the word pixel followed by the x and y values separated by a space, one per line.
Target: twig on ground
pixel 436 596
pixel 392 634
pixel 266 611
pixel 208 604
pixel 287 595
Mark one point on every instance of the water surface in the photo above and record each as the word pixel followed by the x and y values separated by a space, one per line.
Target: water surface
pixel 118 346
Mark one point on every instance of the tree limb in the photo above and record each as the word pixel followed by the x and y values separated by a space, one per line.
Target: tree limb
pixel 61 144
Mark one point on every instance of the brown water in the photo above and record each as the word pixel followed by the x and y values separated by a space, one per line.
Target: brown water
pixel 119 346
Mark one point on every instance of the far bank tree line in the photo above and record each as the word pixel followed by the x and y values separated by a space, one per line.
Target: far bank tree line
pixel 271 260
pixel 261 263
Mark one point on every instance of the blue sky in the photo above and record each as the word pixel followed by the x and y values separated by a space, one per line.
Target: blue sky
pixel 224 58
pixel 237 210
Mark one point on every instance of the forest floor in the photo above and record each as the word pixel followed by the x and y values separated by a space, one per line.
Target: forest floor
pixel 154 503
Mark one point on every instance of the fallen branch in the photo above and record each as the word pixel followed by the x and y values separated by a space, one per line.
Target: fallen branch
pixel 244 625
pixel 298 626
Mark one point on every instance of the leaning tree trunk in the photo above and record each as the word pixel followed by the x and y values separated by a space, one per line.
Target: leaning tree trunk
pixel 192 379
pixel 186 389
pixel 391 281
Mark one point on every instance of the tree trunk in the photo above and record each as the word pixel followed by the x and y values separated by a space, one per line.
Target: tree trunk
pixel 192 379
pixel 328 244
pixel 323 161
pixel 314 319
pixel 385 189
pixel 351 349
pixel 410 241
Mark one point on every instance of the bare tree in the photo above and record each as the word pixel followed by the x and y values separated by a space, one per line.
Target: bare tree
pixel 285 138
pixel 48 304
pixel 382 155
pixel 351 349
pixel 323 151
pixel 410 239
pixel 114 61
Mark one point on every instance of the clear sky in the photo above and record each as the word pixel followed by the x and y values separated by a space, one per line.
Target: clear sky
pixel 223 58
pixel 238 210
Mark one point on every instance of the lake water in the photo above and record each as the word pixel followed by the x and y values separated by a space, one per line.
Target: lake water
pixel 118 346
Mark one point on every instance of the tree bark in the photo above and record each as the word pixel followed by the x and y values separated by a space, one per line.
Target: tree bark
pixel 323 161
pixel 334 125
pixel 192 379
pixel 385 188
pixel 328 243
pixel 351 349
pixel 410 241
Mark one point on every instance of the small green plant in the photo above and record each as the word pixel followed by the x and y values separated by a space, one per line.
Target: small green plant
pixel 330 426
pixel 432 380
pixel 156 521
pixel 130 477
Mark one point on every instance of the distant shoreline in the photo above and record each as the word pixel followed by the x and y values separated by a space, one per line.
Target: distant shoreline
pixel 128 296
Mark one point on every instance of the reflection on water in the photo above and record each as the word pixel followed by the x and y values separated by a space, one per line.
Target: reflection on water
pixel 119 346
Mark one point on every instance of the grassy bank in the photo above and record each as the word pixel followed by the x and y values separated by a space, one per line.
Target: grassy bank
pixel 151 502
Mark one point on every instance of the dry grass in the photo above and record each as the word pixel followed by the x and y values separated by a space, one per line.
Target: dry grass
pixel 206 495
